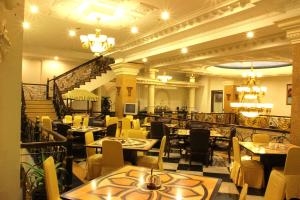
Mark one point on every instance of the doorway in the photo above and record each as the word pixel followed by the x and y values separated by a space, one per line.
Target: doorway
pixel 217 101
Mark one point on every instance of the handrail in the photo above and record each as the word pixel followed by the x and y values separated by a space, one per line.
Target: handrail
pixel 59 104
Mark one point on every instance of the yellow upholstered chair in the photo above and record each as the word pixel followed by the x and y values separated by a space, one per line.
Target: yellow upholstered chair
pixel 151 161
pixel 276 186
pixel 68 119
pixel 261 138
pixel 114 120
pixel 51 179
pixel 243 194
pixel 47 123
pixel 112 155
pixel 94 160
pixel 86 121
pixel 130 117
pixel 126 125
pixel 132 133
pixel 77 120
pixel 107 118
pixel 246 171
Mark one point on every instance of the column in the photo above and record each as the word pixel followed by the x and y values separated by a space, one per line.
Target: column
pixel 10 101
pixel 151 91
pixel 126 85
pixel 292 28
pixel 192 94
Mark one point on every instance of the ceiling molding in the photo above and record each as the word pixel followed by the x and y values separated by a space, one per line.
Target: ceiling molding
pixel 172 83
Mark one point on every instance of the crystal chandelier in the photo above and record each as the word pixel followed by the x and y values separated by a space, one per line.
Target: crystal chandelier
pixel 164 78
pixel 250 104
pixel 96 42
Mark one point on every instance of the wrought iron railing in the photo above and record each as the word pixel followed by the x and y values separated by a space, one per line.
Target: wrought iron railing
pixel 35 91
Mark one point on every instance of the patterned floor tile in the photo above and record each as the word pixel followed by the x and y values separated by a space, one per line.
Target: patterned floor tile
pixel 228 188
pixel 216 169
pixel 198 168
pixel 172 166
pixel 224 177
pixel 222 196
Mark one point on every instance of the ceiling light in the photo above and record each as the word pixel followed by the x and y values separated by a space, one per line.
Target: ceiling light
pixel 56 58
pixel 134 30
pixel 145 60
pixel 26 25
pixel 165 15
pixel 72 33
pixel 164 78
pixel 184 50
pixel 34 9
pixel 250 34
pixel 119 12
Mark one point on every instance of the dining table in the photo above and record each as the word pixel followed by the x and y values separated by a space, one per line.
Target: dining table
pixel 84 129
pixel 213 133
pixel 130 146
pixel 131 182
pixel 271 154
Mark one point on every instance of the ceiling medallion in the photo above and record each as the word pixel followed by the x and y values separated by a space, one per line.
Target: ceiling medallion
pixel 250 97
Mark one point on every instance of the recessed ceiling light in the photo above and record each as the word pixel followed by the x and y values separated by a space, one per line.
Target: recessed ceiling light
pixel 145 60
pixel 34 9
pixel 56 58
pixel 165 15
pixel 26 25
pixel 250 34
pixel 184 50
pixel 72 33
pixel 134 30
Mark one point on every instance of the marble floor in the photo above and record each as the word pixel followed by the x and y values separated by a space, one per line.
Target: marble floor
pixel 219 169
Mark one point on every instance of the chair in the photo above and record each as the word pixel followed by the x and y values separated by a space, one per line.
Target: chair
pixel 68 119
pixel 63 129
pixel 276 186
pixel 172 141
pixel 157 132
pixel 132 133
pixel 85 121
pixel 261 138
pixel 130 117
pixel 114 120
pixel 77 120
pixel 200 145
pixel 243 194
pixel 225 144
pixel 126 124
pixel 111 130
pixel 246 171
pixel 47 123
pixel 151 161
pixel 146 120
pixel 291 173
pixel 94 160
pixel 51 179
pixel 107 118
pixel 112 155
pixel 136 124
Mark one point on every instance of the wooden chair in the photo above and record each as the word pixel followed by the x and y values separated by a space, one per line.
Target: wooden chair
pixel 151 161
pixel 51 179
pixel 246 171
pixel 94 160
pixel 111 130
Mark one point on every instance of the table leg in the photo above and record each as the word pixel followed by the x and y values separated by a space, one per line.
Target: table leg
pixel 130 156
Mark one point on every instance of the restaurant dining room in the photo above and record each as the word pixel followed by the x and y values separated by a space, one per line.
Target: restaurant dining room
pixel 150 99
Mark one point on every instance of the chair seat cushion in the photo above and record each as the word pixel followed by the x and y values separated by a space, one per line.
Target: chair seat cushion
pixel 95 159
pixel 147 161
pixel 253 173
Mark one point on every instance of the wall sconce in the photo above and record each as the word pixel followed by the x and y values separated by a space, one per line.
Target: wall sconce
pixel 129 89
pixel 228 97
pixel 118 91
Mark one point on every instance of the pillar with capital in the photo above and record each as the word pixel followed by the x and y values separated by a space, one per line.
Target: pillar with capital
pixel 151 91
pixel 292 28
pixel 126 85
pixel 192 94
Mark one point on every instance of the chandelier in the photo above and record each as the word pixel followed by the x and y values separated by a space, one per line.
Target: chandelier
pixel 250 94
pixel 164 78
pixel 96 42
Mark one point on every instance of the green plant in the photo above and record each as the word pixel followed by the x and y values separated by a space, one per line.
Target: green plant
pixel 105 105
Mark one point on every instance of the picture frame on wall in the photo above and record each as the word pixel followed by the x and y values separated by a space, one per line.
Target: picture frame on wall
pixel 289 94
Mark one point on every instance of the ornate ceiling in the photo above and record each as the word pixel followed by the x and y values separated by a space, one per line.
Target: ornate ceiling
pixel 212 30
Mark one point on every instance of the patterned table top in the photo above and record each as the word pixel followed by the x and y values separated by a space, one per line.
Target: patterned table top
pixel 186 132
pixel 266 148
pixel 128 143
pixel 86 129
pixel 128 183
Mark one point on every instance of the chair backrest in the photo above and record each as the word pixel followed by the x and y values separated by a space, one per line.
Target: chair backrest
pixel 292 163
pixel 132 133
pixel 199 139
pixel 107 118
pixel 156 130
pixel 111 130
pixel 63 129
pixel 243 194
pixel 236 150
pixel 136 124
pixel 89 138
pixel 86 121
pixel 47 123
pixel 276 186
pixel 51 179
pixel 126 124
pixel 68 119
pixel 77 120
pixel 162 148
pixel 199 125
pixel 261 138
pixel 146 120
pixel 130 117
pixel 112 154
pixel 112 120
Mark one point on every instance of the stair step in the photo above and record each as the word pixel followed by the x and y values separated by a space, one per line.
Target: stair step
pixel 40 110
pixel 39 102
pixel 36 106
pixel 34 115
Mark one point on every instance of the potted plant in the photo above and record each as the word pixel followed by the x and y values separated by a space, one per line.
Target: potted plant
pixel 105 105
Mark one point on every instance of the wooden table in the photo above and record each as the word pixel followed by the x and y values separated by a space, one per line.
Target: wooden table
pixel 186 132
pixel 128 183
pixel 87 129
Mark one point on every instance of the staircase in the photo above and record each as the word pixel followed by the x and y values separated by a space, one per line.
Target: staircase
pixel 98 81
pixel 40 108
